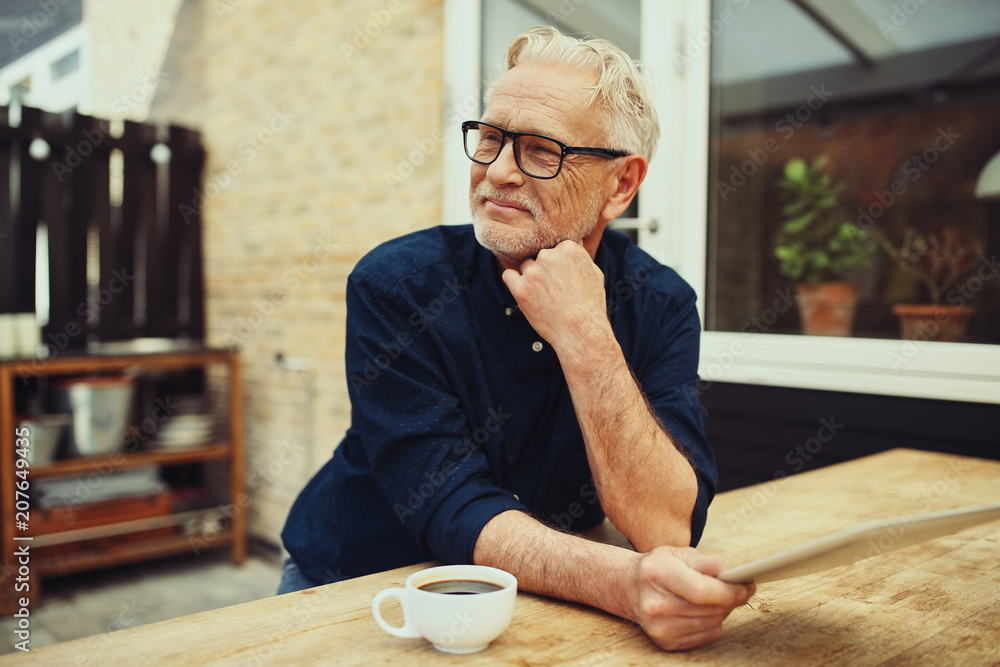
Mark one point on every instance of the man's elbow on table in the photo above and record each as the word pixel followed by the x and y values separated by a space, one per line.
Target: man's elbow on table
pixel 675 532
pixel 661 524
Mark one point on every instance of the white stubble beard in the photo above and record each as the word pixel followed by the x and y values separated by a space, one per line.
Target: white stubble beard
pixel 516 246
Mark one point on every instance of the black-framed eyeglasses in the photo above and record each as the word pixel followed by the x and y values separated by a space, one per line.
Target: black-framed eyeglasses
pixel 536 155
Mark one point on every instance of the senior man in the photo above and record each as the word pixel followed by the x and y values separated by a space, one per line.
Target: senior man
pixel 515 381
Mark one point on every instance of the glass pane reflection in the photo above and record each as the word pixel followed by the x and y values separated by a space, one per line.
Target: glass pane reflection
pixel 902 101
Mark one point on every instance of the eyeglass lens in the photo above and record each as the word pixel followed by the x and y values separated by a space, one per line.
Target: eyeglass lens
pixel 537 156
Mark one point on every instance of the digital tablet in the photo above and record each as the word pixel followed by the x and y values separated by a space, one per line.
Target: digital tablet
pixel 858 543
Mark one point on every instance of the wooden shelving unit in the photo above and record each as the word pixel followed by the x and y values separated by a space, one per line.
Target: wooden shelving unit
pixel 86 551
pixel 132 552
pixel 87 464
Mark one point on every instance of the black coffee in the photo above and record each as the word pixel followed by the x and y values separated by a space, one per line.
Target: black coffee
pixel 460 587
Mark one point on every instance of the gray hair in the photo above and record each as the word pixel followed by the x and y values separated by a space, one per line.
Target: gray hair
pixel 629 116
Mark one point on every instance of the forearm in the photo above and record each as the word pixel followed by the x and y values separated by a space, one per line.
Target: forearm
pixel 548 562
pixel 672 593
pixel 646 485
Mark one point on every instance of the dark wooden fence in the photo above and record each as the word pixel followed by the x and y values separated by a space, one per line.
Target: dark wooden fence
pixel 105 203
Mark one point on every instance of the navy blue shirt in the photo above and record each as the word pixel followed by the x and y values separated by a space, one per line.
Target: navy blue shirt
pixel 460 410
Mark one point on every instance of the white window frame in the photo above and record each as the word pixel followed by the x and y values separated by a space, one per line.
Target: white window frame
pixel 673 227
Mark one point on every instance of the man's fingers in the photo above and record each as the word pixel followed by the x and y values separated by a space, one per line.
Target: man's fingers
pixel 566 245
pixel 663 606
pixel 685 642
pixel 685 625
pixel 511 278
pixel 710 565
pixel 682 604
pixel 671 571
pixel 678 634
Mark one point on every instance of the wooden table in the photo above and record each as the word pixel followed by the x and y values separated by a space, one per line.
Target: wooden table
pixel 934 603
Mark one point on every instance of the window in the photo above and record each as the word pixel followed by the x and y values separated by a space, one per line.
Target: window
pixel 65 65
pixel 729 71
pixel 896 102
pixel 901 108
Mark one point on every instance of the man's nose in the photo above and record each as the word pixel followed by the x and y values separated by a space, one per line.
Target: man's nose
pixel 504 170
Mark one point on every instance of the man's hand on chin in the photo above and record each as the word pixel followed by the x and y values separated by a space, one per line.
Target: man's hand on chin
pixel 561 292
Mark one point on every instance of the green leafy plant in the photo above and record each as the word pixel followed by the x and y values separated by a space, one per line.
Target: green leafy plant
pixel 817 242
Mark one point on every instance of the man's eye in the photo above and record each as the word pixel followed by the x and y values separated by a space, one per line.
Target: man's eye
pixel 542 151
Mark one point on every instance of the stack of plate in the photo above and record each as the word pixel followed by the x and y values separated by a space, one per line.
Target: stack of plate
pixel 184 430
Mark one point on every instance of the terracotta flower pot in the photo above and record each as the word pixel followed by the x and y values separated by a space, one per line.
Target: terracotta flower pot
pixel 927 321
pixel 827 309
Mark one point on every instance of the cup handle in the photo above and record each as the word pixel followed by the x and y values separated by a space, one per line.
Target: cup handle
pixel 408 629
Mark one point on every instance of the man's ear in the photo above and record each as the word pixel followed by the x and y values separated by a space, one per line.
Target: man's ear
pixel 625 180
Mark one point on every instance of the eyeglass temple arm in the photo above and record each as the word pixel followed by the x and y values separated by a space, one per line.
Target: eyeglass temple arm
pixel 596 152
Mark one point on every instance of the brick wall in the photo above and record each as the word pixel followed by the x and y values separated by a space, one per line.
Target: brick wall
pixel 302 119
pixel 129 40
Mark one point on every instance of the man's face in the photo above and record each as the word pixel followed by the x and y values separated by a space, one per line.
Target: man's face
pixel 515 215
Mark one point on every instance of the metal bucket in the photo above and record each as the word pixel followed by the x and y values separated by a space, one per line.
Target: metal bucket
pixel 100 407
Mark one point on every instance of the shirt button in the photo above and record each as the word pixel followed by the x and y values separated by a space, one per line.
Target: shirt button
pixel 537 346
pixel 517 498
pixel 508 311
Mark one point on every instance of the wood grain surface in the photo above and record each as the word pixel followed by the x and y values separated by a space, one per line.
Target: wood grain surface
pixel 933 603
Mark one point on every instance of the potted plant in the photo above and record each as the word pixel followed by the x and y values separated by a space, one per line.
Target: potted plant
pixel 816 246
pixel 936 260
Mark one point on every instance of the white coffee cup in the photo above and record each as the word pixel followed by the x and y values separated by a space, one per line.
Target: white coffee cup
pixel 461 620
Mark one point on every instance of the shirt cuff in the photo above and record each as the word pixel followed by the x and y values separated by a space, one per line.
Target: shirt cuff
pixel 700 512
pixel 452 532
